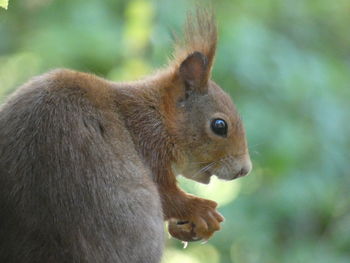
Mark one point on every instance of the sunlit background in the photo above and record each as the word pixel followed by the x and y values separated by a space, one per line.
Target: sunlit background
pixel 286 65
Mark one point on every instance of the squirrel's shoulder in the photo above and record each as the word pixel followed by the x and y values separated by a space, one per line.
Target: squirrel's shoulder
pixel 70 83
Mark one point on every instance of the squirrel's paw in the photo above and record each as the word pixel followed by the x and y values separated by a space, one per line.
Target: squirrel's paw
pixel 203 220
pixel 182 230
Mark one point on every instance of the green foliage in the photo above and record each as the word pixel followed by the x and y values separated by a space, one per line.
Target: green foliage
pixel 4 3
pixel 286 65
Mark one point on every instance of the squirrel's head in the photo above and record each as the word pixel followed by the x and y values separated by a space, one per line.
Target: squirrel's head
pixel 209 130
pixel 206 125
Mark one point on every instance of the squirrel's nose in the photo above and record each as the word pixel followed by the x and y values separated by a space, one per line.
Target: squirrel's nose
pixel 245 170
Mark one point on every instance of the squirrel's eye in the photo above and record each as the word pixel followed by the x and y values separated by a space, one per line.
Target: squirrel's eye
pixel 219 126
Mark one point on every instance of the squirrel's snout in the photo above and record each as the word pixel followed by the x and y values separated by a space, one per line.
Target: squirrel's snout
pixel 244 171
pixel 235 169
pixel 246 168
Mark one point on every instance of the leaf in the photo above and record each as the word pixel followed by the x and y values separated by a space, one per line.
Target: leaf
pixel 4 3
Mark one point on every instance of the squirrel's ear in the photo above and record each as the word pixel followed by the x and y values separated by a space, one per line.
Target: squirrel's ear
pixel 194 72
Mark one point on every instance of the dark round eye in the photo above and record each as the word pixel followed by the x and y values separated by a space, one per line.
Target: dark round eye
pixel 219 126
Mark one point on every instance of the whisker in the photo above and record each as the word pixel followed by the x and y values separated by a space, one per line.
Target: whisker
pixel 255 152
pixel 199 162
pixel 223 161
pixel 205 168
pixel 255 145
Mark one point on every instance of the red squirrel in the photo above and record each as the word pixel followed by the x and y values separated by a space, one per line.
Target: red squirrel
pixel 88 166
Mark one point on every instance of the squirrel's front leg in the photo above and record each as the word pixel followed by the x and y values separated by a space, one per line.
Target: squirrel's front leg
pixel 197 216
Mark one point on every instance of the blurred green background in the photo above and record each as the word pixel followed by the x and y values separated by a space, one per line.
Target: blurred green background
pixel 286 65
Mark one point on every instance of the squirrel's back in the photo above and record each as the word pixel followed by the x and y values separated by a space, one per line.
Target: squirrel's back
pixel 72 186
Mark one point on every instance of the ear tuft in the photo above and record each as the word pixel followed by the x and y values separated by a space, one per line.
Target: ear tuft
pixel 194 71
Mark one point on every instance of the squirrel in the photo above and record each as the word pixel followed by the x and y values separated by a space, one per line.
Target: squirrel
pixel 88 166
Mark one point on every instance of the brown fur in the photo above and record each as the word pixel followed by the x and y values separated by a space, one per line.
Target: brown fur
pixel 200 34
pixel 87 166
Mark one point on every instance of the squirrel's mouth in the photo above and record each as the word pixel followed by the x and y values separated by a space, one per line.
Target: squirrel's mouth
pixel 203 177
